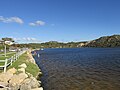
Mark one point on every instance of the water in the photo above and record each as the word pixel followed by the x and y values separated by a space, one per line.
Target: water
pixel 80 68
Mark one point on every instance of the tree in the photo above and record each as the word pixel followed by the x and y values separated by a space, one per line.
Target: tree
pixel 8 39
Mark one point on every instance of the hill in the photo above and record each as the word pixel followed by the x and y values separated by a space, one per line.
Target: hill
pixel 106 41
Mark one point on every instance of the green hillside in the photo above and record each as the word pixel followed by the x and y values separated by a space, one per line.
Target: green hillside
pixel 106 41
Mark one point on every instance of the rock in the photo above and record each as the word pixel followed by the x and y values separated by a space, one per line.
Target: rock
pixel 25 87
pixel 41 88
pixel 13 87
pixel 32 82
pixel 29 75
pixel 39 82
pixel 26 81
pixel 23 75
pixel 40 73
pixel 5 77
pixel 21 70
pixel 4 89
pixel 12 71
pixel 3 84
pixel 17 79
pixel 23 65
pixel 31 59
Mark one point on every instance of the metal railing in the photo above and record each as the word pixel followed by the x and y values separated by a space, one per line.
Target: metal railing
pixel 9 61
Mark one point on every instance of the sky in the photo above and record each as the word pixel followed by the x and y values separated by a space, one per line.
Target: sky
pixel 58 20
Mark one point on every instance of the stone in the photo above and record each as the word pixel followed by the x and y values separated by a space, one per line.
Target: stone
pixel 12 71
pixel 40 73
pixel 41 88
pixel 25 87
pixel 21 70
pixel 23 65
pixel 4 84
pixel 27 81
pixel 4 89
pixel 13 87
pixel 31 82
pixel 18 79
pixel 34 83
pixel 39 82
pixel 29 75
pixel 5 77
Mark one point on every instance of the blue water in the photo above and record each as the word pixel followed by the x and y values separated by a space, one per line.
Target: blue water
pixel 80 68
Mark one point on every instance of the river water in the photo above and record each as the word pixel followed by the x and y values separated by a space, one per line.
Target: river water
pixel 80 68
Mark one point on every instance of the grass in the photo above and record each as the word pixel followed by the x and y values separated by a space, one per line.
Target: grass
pixel 8 55
pixel 2 63
pixel 31 68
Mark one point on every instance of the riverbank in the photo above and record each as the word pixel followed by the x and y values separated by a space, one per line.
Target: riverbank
pixel 22 75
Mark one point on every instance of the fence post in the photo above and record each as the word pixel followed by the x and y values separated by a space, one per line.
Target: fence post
pixel 11 60
pixel 16 56
pixel 5 66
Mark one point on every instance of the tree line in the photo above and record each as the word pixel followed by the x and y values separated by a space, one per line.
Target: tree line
pixel 106 41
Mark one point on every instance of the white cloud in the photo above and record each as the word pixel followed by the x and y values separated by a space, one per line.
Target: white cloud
pixel 11 20
pixel 27 40
pixel 37 23
pixel 32 24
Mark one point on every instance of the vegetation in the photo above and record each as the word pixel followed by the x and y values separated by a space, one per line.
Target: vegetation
pixel 31 68
pixel 9 54
pixel 7 39
pixel 52 44
pixel 106 41
pixel 2 42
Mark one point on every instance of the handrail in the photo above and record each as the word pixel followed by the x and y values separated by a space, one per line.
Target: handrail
pixel 11 60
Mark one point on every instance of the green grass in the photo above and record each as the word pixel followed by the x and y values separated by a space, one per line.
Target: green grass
pixel 2 57
pixel 31 68
pixel 8 55
pixel 2 63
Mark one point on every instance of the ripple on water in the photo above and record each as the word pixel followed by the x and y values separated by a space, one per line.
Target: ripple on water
pixel 80 69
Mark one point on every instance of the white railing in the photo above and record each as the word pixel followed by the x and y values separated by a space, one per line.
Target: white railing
pixel 9 61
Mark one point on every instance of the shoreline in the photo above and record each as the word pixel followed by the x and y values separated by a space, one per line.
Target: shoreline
pixel 38 76
pixel 33 61
pixel 23 74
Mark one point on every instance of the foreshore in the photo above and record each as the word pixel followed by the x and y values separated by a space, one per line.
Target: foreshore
pixel 24 74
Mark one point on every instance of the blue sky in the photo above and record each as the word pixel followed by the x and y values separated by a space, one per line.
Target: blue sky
pixel 58 20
